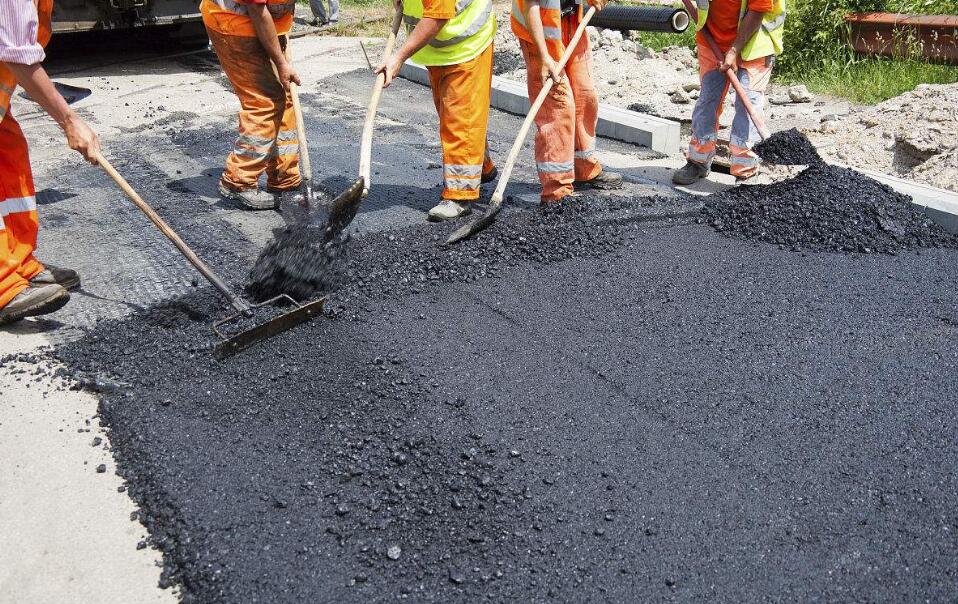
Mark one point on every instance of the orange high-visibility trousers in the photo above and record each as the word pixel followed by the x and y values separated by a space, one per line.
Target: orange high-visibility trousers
pixel 18 213
pixel 565 137
pixel 461 94
pixel 267 139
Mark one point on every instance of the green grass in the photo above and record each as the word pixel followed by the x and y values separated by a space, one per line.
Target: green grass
pixel 869 80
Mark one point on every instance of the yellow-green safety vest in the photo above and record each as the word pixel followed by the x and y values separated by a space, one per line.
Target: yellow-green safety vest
pixel 768 40
pixel 462 38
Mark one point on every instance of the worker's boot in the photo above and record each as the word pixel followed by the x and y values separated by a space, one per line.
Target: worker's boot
pixel 604 180
pixel 54 275
pixel 449 210
pixel 251 199
pixel 288 196
pixel 690 173
pixel 35 300
pixel 490 175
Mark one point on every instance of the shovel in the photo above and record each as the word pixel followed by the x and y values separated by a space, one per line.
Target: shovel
pixel 305 167
pixel 343 209
pixel 228 345
pixel 732 78
pixel 495 205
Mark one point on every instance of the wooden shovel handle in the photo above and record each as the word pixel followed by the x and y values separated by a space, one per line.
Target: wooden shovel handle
pixel 184 249
pixel 305 166
pixel 366 142
pixel 534 109
pixel 732 78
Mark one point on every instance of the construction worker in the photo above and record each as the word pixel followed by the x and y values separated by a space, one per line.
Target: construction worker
pixel 565 136
pixel 453 39
pixel 749 33
pixel 249 39
pixel 27 287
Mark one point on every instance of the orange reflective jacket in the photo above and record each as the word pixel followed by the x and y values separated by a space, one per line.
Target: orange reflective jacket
pixel 231 18
pixel 550 11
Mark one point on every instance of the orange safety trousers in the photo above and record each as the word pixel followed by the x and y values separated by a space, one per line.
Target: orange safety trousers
pixel 755 76
pixel 19 222
pixel 461 93
pixel 267 139
pixel 565 136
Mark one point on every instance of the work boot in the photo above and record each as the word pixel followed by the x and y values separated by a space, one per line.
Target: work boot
pixel 35 300
pixel 690 173
pixel 604 180
pixel 54 275
pixel 251 199
pixel 449 210
pixel 281 196
pixel 489 176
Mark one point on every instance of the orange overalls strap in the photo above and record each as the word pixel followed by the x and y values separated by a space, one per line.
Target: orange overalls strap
pixel 550 11
pixel 18 204
pixel 231 18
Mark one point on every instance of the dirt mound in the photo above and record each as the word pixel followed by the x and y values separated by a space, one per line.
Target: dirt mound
pixel 788 148
pixel 826 208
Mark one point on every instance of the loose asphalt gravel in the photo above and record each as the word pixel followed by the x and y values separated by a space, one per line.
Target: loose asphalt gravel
pixel 609 401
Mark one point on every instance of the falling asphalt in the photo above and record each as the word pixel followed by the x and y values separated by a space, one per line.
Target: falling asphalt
pixel 608 401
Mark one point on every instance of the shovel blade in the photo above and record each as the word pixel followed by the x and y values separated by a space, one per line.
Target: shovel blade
pixel 343 209
pixel 472 228
pixel 277 325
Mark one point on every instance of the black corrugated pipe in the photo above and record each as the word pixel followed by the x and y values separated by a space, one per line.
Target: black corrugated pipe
pixel 642 18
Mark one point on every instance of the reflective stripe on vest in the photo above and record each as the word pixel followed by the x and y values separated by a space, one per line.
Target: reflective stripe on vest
pixel 461 38
pixel 550 13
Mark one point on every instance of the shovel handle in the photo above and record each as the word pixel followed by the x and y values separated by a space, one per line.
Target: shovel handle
pixel 497 195
pixel 732 78
pixel 184 249
pixel 366 143
pixel 305 167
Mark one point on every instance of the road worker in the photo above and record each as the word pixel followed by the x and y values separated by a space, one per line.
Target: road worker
pixel 453 39
pixel 565 136
pixel 249 37
pixel 749 33
pixel 27 287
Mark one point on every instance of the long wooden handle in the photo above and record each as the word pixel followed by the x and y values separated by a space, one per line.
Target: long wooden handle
pixel 201 266
pixel 366 143
pixel 534 109
pixel 732 78
pixel 305 167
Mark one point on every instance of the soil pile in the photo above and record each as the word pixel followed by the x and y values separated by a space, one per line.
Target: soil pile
pixel 788 148
pixel 826 208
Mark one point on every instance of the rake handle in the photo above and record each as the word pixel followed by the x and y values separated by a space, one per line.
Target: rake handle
pixel 181 245
pixel 732 78
pixel 497 195
pixel 366 143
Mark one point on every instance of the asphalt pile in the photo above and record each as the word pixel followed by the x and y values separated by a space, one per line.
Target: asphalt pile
pixel 299 261
pixel 587 426
pixel 826 209
pixel 788 148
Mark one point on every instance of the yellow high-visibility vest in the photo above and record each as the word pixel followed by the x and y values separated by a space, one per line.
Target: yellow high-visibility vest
pixel 768 40
pixel 462 38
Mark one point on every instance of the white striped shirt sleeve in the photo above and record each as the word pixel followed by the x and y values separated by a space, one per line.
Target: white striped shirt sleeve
pixel 18 32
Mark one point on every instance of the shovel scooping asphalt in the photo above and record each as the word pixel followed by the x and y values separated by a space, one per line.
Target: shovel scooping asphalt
pixel 343 209
pixel 229 344
pixel 495 205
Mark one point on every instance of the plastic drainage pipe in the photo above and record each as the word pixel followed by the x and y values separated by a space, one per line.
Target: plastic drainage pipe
pixel 642 18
